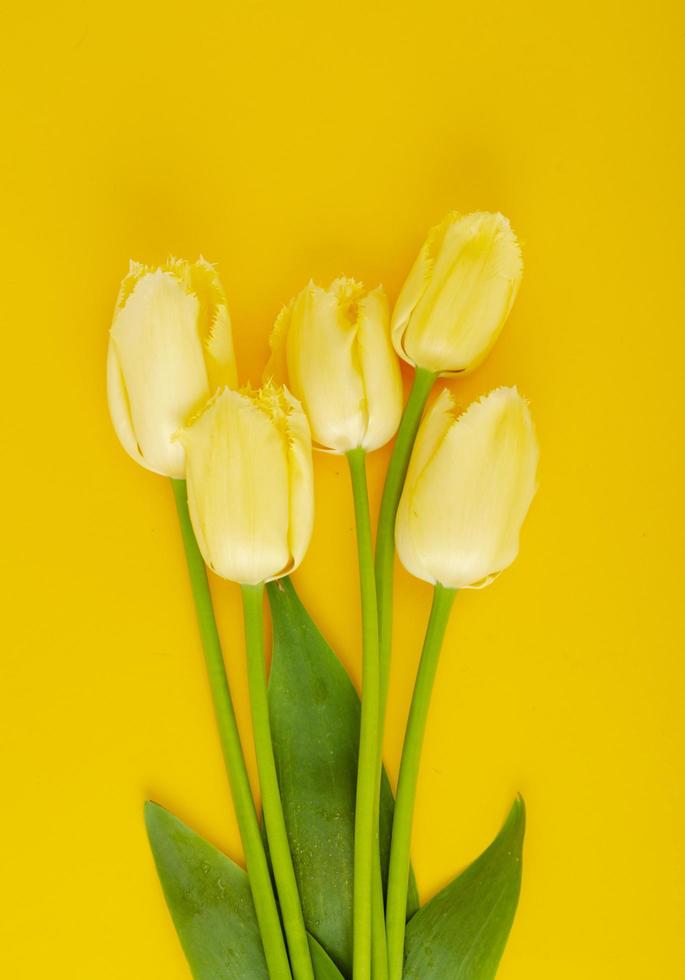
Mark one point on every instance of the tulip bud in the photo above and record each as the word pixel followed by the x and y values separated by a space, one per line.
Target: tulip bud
pixel 332 347
pixel 469 486
pixel 250 483
pixel 170 347
pixel 458 293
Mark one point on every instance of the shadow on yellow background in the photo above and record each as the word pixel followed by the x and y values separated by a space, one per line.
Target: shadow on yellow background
pixel 284 140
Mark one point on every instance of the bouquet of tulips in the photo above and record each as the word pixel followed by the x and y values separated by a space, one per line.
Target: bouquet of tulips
pixel 328 890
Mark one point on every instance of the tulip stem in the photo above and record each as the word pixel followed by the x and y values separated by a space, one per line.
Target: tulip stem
pixel 277 836
pixel 385 557
pixel 365 822
pixel 379 946
pixel 398 875
pixel 246 815
pixel 385 535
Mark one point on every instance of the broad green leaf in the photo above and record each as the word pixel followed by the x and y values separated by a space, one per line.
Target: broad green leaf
pixel 324 967
pixel 461 933
pixel 210 902
pixel 315 724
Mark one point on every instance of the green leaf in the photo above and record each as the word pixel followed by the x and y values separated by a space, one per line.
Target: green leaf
pixel 210 902
pixel 461 933
pixel 324 967
pixel 315 725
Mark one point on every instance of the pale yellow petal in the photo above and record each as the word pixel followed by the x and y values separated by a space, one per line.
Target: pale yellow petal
pixel 417 282
pixel 301 475
pixel 238 488
pixel 332 347
pixel 472 287
pixel 220 354
pixel 135 272
pixel 410 531
pixel 214 323
pixel 435 424
pixel 323 371
pixel 119 408
pixel 462 509
pixel 161 358
pixel 380 370
pixel 276 370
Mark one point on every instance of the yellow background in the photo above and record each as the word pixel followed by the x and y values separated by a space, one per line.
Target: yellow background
pixel 293 139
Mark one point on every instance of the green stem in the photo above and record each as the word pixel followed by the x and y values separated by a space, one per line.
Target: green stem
pixel 398 875
pixel 246 815
pixel 385 534
pixel 385 557
pixel 274 821
pixel 365 824
pixel 379 948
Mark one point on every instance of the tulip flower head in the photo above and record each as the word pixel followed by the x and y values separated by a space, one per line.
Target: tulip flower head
pixel 332 347
pixel 250 483
pixel 458 294
pixel 469 485
pixel 170 347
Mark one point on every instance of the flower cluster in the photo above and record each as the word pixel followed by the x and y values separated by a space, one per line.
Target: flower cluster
pixel 247 454
pixel 457 490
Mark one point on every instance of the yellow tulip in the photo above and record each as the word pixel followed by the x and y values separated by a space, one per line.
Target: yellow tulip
pixel 458 293
pixel 250 483
pixel 332 347
pixel 469 486
pixel 170 347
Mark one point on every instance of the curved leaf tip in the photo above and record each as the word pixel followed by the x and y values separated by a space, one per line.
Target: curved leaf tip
pixel 461 932
pixel 209 899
